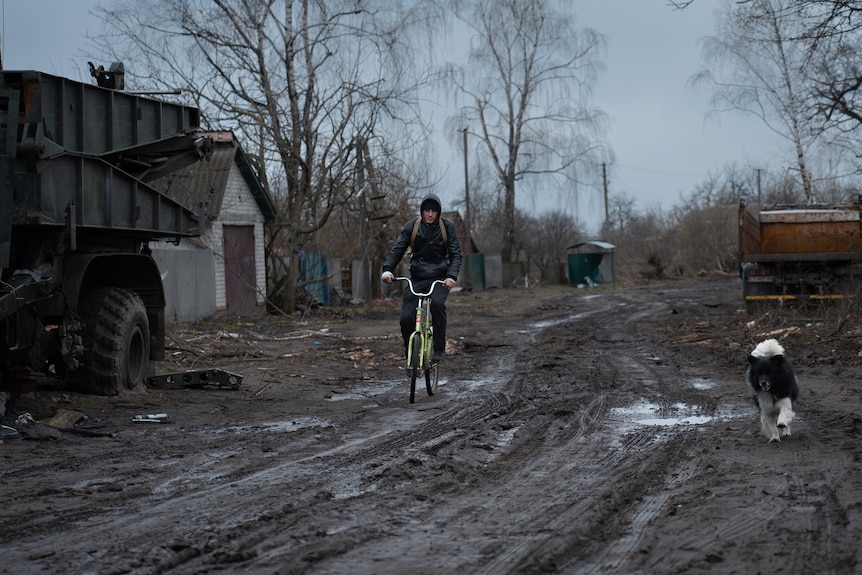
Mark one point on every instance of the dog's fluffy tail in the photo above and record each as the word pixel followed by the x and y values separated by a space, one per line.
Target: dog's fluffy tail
pixel 768 348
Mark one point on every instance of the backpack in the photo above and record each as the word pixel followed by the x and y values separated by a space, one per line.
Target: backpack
pixel 416 231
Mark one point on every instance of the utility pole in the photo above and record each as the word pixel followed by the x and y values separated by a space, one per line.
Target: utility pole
pixel 467 196
pixel 758 188
pixel 468 248
pixel 605 192
pixel 364 232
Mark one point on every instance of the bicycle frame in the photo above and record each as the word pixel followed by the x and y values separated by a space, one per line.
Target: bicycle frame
pixel 421 342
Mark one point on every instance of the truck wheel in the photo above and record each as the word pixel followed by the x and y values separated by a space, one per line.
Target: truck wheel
pixel 115 334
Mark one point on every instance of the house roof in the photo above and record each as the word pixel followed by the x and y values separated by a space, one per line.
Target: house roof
pixel 205 183
pixel 596 246
pixel 455 216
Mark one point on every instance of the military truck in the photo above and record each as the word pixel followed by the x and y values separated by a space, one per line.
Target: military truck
pixel 81 298
pixel 800 252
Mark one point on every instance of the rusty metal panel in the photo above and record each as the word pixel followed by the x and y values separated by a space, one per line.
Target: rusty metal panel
pixel 805 216
pixel 749 233
pixel 810 236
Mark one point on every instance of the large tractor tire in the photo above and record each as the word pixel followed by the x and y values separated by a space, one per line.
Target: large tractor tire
pixel 115 334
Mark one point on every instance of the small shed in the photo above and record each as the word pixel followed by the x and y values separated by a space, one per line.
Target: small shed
pixel 594 260
pixel 223 270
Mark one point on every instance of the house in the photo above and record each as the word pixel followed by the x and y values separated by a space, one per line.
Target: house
pixel 223 270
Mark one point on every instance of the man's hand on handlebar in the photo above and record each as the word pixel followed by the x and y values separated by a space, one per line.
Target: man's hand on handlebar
pixel 449 283
pixel 387 277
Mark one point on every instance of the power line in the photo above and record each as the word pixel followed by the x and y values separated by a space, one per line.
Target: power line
pixel 657 172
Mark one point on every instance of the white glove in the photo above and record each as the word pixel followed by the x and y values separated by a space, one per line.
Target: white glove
pixel 387 277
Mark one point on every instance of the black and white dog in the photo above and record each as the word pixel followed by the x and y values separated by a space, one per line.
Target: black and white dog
pixel 775 388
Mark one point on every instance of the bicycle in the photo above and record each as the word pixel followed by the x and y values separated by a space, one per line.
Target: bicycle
pixel 421 343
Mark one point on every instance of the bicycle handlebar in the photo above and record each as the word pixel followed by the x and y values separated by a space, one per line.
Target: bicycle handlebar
pixel 410 285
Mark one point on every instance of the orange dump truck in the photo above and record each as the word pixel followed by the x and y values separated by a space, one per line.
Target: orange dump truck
pixel 800 252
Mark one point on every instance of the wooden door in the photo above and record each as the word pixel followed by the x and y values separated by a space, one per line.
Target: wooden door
pixel 239 269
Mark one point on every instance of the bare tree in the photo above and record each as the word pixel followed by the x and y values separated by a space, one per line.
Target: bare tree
pixel 621 210
pixel 833 36
pixel 486 210
pixel 680 4
pixel 304 80
pixel 756 65
pixel 548 236
pixel 528 81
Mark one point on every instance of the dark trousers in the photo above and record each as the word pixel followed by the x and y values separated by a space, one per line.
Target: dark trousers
pixel 438 312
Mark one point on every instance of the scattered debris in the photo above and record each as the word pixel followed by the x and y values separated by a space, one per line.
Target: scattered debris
pixel 29 428
pixel 64 419
pixel 71 421
pixel 151 418
pixel 196 378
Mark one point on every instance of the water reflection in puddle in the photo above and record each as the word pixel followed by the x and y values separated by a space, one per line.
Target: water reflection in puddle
pixel 540 325
pixel 668 421
pixel 646 413
pixel 702 383
pixel 287 426
pixel 381 387
pixel 366 391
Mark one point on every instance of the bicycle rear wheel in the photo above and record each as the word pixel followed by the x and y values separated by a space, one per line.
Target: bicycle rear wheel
pixel 431 376
pixel 414 349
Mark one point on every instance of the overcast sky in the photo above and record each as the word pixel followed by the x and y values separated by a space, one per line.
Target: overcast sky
pixel 663 145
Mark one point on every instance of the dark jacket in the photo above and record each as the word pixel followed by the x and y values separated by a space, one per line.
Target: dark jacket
pixel 431 258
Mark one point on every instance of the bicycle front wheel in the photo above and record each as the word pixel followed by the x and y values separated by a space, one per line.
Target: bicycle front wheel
pixel 414 349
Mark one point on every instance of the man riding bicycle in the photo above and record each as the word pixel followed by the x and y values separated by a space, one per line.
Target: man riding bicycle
pixel 435 255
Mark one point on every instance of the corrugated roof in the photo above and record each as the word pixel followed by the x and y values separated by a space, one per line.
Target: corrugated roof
pixel 594 243
pixel 206 182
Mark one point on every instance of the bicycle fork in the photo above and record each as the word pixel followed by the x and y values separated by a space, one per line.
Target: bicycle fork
pixel 422 338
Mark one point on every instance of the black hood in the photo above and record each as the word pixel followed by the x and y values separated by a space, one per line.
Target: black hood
pixel 431 199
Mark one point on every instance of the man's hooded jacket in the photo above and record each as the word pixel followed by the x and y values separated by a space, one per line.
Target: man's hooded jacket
pixel 431 257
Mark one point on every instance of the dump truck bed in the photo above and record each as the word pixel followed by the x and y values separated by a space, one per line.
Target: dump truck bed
pixel 83 155
pixel 800 252
pixel 816 234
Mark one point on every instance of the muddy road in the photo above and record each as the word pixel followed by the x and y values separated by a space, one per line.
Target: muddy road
pixel 574 431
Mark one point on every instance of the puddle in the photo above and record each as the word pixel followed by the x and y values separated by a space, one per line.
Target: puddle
pixel 370 390
pixel 646 413
pixel 490 383
pixel 276 426
pixel 97 484
pixel 504 440
pixel 196 478
pixel 293 424
pixel 540 325
pixel 349 492
pixel 701 383
pixel 668 421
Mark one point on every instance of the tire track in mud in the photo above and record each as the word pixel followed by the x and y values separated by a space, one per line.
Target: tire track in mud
pixel 610 472
pixel 461 423
pixel 610 468
pixel 575 475
pixel 794 495
pixel 309 484
pixel 536 468
pixel 616 555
